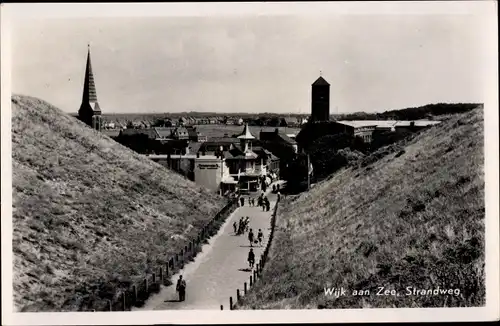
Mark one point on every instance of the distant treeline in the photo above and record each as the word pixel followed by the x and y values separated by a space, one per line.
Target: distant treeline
pixel 414 113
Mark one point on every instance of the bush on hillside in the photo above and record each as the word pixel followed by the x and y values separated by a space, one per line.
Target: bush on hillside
pixel 414 113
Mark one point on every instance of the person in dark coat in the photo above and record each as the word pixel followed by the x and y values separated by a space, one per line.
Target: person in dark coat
pixel 251 237
pixel 242 201
pixel 251 258
pixel 267 204
pixel 181 288
pixel 235 227
pixel 260 237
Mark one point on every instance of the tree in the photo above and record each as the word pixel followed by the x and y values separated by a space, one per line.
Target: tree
pixel 273 122
pixel 283 123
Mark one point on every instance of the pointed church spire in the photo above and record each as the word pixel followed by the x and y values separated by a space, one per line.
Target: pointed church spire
pixel 90 112
pixel 89 91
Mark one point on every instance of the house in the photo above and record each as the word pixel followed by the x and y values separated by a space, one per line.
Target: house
pixel 196 136
pixel 180 133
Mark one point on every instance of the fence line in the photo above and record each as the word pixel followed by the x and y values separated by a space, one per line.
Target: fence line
pixel 256 273
pixel 137 294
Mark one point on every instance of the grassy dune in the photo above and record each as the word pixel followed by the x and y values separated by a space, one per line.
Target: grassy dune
pixel 89 215
pixel 413 218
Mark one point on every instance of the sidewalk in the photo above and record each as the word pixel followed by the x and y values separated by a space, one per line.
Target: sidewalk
pixel 220 268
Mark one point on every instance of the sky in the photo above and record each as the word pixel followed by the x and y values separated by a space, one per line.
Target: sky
pixel 252 63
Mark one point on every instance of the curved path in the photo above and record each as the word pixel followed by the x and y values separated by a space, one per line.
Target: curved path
pixel 220 268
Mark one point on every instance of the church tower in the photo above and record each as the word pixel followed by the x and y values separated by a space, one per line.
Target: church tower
pixel 90 112
pixel 320 100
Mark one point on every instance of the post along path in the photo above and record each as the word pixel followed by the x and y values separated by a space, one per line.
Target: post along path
pixel 221 267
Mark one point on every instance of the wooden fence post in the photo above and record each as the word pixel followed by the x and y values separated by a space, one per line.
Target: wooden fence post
pixel 250 280
pixel 124 302
pixel 221 307
pixel 146 285
pixel 254 275
pixel 110 305
pixel 245 288
pixel 161 274
pixel 237 295
pixel 154 278
pixel 230 303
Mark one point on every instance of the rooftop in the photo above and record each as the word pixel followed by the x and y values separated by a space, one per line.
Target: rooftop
pixel 320 82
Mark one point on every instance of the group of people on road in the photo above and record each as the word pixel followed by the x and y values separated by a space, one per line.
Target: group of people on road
pixel 263 202
pixel 251 237
pixel 242 225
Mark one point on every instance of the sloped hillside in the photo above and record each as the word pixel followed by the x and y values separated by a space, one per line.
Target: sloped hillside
pixel 89 215
pixel 414 218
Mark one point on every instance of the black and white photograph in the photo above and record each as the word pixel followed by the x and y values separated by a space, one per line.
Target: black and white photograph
pixel 256 162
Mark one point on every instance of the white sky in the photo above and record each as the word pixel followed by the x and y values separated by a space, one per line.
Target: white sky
pixel 250 63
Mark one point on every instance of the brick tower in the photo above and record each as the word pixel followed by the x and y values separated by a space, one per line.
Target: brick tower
pixel 320 100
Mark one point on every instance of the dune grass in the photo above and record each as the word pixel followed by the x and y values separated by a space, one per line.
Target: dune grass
pixel 90 216
pixel 413 218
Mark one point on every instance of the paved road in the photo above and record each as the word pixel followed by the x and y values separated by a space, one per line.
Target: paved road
pixel 220 268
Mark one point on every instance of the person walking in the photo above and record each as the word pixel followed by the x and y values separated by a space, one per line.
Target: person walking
pixel 242 201
pixel 260 237
pixel 251 237
pixel 240 226
pixel 251 258
pixel 235 227
pixel 181 288
pixel 279 196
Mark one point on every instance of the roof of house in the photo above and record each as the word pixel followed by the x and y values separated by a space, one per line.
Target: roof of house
pixel 194 147
pixel 287 139
pixel 181 130
pixel 320 82
pixel 163 132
